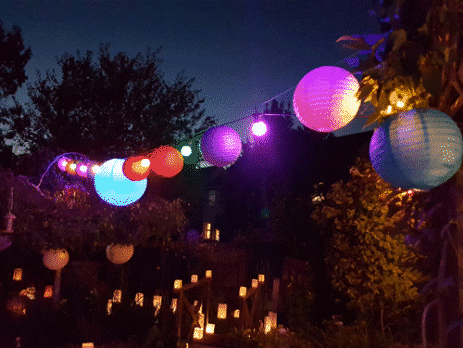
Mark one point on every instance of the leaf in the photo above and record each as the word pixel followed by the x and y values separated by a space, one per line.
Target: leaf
pixel 354 43
pixel 376 117
pixel 398 37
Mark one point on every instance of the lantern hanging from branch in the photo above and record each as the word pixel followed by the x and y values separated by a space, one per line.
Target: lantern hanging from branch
pixel 114 188
pixel 420 148
pixel 325 99
pixel 221 146
pixel 119 253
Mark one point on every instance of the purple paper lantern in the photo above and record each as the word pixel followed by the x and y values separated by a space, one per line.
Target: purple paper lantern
pixel 324 100
pixel 221 146
pixel 420 148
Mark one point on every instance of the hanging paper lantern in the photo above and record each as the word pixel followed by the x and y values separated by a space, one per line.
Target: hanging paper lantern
pixel 93 168
pixel 166 161
pixel 114 188
pixel 81 169
pixel 324 100
pixel 71 167
pixel 136 168
pixel 221 146
pixel 55 259
pixel 62 162
pixel 259 128
pixel 119 253
pixel 420 148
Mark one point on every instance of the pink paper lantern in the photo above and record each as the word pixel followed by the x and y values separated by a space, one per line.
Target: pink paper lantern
pixel 324 100
pixel 221 146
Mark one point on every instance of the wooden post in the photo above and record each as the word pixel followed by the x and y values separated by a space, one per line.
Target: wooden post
pixel 56 288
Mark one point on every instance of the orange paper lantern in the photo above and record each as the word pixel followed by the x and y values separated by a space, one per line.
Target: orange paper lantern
pixel 166 161
pixel 136 168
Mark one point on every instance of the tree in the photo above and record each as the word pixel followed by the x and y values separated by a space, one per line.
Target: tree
pixel 366 222
pixel 114 106
pixel 13 59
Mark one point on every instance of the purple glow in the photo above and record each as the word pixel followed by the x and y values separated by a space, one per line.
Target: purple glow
pixel 259 128
pixel 221 146
pixel 81 169
pixel 62 162
pixel 324 100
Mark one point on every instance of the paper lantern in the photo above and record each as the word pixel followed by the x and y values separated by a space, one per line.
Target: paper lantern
pixel 261 278
pixel 81 169
pixel 208 273
pixel 109 307
pixel 119 253
pixel 18 274
pixel 177 284
pixel 48 292
pixel 62 162
pixel 114 188
pixel 222 311
pixel 166 161
pixel 194 278
pixel 324 100
pixel 92 170
pixel 420 148
pixel 136 168
pixel 259 128
pixel 198 333
pixel 139 299
pixel 117 296
pixel 55 259
pixel 243 291
pixel 71 167
pixel 221 146
pixel 236 313
pixel 210 328
pixel 255 283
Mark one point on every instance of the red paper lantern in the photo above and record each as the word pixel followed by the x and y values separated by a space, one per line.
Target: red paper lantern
pixel 136 168
pixel 166 161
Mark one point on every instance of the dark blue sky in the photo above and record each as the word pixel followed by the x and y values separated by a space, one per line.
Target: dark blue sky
pixel 241 52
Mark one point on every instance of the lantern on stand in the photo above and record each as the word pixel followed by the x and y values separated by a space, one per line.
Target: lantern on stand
pixel 420 149
pixel 325 99
pixel 55 260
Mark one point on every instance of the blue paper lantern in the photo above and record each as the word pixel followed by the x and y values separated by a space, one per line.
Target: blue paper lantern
pixel 420 148
pixel 114 188
pixel 221 146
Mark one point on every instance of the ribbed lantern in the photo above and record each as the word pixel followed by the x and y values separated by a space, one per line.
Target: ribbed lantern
pixel 324 100
pixel 119 253
pixel 221 146
pixel 55 259
pixel 420 148
pixel 113 186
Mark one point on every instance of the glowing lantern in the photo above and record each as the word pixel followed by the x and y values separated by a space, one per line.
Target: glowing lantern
pixel 261 278
pixel 210 328
pixel 255 283
pixel 221 146
pixel 222 311
pixel 109 306
pixel 198 333
pixel 194 278
pixel 114 188
pixel 166 161
pixel 324 100
pixel 48 293
pixel 173 305
pixel 139 298
pixel 117 296
pixel 28 292
pixel 18 274
pixel 55 259
pixel 236 313
pixel 17 305
pixel 186 150
pixel 62 162
pixel 88 345
pixel 207 230
pixel 157 301
pixel 93 169
pixel 243 291
pixel 71 167
pixel 136 168
pixel 119 253
pixel 420 148
pixel 178 284
pixel 81 169
pixel 259 128
pixel 217 235
pixel 208 273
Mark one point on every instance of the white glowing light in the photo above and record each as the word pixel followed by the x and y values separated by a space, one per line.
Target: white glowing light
pixel 259 128
pixel 185 151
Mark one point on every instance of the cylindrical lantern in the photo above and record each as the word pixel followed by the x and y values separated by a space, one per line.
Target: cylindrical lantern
pixel 114 188
pixel 243 291
pixel 166 161
pixel 221 146
pixel 55 259
pixel 420 148
pixel 119 253
pixel 136 168
pixel 324 100
pixel 178 284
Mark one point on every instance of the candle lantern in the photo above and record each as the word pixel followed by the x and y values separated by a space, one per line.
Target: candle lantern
pixel 88 345
pixel 243 290
pixel 198 333
pixel 157 301
pixel 207 230
pixel 208 273
pixel 210 328
pixel 117 296
pixel 222 311
pixel 267 324
pixel 18 274
pixel 139 299
pixel 261 278
pixel 194 278
pixel 178 284
pixel 48 292
pixel 173 305
pixel 109 306
pixel 255 283
pixel 236 313
pixel 217 235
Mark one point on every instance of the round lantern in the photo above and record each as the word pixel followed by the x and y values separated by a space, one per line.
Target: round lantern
pixel 81 169
pixel 114 188
pixel 55 259
pixel 71 167
pixel 62 162
pixel 324 100
pixel 166 161
pixel 420 148
pixel 119 253
pixel 136 168
pixel 221 146
pixel 93 168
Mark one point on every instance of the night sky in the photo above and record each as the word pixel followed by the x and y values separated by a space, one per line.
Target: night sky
pixel 241 53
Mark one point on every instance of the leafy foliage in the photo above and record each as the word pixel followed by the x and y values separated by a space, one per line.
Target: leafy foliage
pixel 367 257
pixel 114 106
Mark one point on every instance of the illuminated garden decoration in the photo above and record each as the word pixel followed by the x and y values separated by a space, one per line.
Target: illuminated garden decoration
pixel 113 186
pixel 136 168
pixel 221 146
pixel 166 161
pixel 119 253
pixel 325 99
pixel 55 259
pixel 420 148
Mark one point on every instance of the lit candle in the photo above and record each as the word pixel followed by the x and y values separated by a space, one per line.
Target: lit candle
pixel 243 290
pixel 222 311
pixel 194 278
pixel 178 284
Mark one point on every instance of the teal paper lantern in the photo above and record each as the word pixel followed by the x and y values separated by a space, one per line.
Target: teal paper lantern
pixel 420 148
pixel 114 187
pixel 221 146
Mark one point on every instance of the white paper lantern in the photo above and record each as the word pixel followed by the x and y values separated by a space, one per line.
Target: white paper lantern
pixel 55 259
